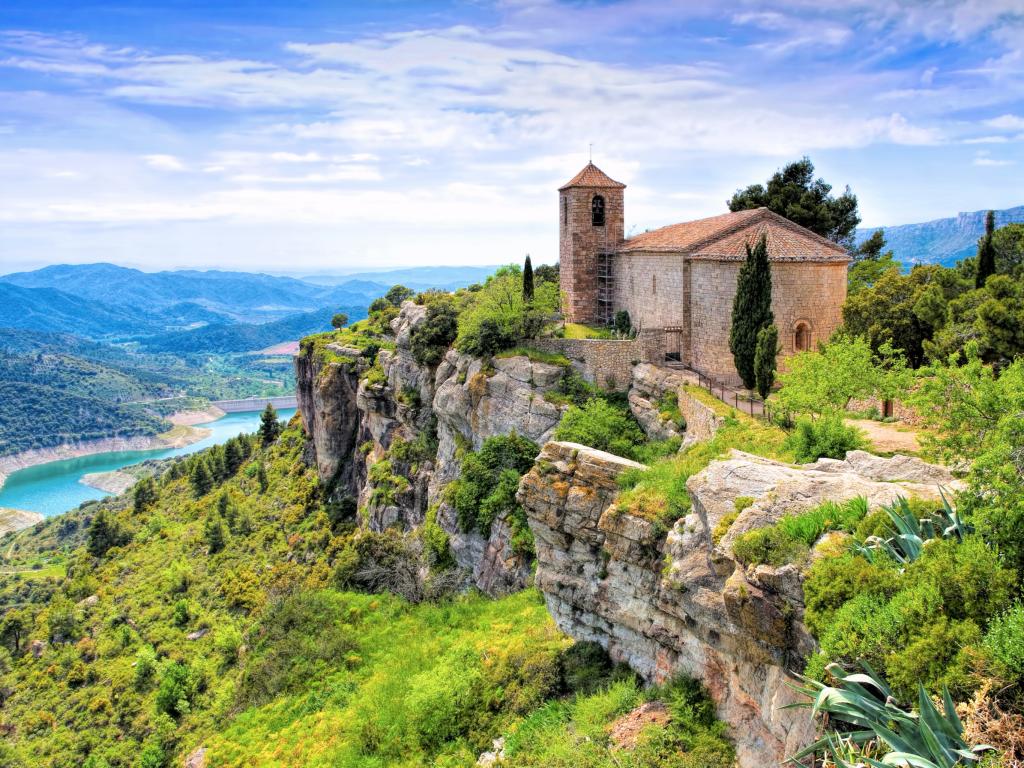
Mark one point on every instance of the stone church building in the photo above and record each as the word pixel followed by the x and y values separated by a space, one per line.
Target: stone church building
pixel 678 282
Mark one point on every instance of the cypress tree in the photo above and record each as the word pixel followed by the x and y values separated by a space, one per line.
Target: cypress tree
pixel 764 359
pixel 261 477
pixel 751 310
pixel 986 260
pixel 527 280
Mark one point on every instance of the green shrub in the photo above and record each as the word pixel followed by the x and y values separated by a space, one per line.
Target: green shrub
pixel 792 536
pixel 833 581
pixel 488 481
pixel 586 668
pixel 177 690
pixel 601 425
pixel 668 409
pixel 431 338
pixel 499 317
pixel 876 523
pixel 369 551
pixel 152 756
pixel 182 615
pixel 297 639
pixel 435 542
pixel 1004 643
pixel 912 625
pixel 768 545
pixel 145 667
pixel 827 437
pixel 442 701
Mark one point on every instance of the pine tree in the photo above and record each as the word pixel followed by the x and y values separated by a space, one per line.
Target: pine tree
pixel 145 495
pixel 986 260
pixel 103 535
pixel 270 427
pixel 261 477
pixel 214 534
pixel 527 280
pixel 232 456
pixel 201 479
pixel 765 359
pixel 751 310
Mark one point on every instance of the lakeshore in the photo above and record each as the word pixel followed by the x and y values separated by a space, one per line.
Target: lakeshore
pixel 59 482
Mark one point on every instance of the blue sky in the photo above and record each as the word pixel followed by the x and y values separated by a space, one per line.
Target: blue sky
pixel 307 136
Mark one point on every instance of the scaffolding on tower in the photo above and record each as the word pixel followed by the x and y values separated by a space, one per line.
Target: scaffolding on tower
pixel 605 286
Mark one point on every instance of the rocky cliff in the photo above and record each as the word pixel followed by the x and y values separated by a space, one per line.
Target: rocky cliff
pixel 680 603
pixel 671 601
pixel 412 424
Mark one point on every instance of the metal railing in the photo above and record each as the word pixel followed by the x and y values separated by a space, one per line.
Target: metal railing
pixel 741 400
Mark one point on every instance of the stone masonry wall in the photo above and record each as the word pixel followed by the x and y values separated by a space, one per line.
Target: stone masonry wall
pixel 606 362
pixel 701 420
pixel 650 287
pixel 806 292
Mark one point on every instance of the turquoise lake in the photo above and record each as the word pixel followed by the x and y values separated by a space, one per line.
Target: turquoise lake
pixel 54 487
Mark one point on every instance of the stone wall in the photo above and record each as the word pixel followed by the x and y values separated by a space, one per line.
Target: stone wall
pixel 900 411
pixel 701 420
pixel 651 286
pixel 607 362
pixel 802 292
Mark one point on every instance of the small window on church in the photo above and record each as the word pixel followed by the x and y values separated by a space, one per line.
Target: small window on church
pixel 597 211
pixel 654 285
pixel 565 211
pixel 802 338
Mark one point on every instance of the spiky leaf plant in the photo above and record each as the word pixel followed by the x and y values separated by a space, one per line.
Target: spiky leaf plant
pixel 912 533
pixel 927 738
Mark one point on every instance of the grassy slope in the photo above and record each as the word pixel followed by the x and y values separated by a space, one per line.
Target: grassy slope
pixel 365 681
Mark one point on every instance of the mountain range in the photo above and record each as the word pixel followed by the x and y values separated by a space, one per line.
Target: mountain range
pixel 109 302
pixel 942 241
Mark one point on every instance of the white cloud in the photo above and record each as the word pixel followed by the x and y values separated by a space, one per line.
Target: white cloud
pixel 991 162
pixel 447 130
pixel 1007 122
pixel 164 162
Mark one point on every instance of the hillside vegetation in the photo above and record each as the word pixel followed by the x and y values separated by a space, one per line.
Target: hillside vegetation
pixel 208 612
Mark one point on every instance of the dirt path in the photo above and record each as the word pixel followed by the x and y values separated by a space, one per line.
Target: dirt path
pixel 888 438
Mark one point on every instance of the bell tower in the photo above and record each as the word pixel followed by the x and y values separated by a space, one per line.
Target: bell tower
pixel 590 230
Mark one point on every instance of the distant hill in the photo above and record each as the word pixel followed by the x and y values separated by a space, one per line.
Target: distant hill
pixel 417 278
pixel 129 302
pixel 247 337
pixel 195 295
pixel 47 309
pixel 943 241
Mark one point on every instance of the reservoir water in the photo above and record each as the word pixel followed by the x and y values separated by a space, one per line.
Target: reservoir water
pixel 54 487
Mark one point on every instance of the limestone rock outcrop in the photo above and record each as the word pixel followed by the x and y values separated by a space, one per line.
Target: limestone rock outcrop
pixel 326 390
pixel 677 603
pixel 355 422
pixel 649 385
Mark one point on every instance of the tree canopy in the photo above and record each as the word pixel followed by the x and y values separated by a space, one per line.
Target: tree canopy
pixel 793 192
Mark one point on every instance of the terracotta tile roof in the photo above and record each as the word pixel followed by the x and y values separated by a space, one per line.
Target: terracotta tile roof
pixel 725 237
pixel 592 176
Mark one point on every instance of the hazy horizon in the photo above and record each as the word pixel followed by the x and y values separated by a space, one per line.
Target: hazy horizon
pixel 339 137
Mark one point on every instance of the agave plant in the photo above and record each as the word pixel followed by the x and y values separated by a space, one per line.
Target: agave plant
pixel 912 533
pixel 928 738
